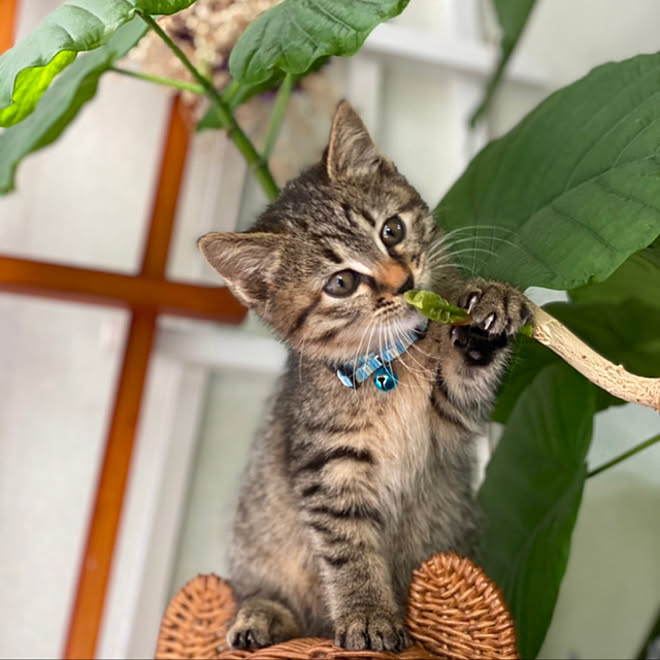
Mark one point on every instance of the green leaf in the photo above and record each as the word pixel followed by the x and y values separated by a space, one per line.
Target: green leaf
pixel 531 496
pixel 27 70
pixel 626 333
pixel 61 103
pixel 295 34
pixel 573 190
pixel 162 6
pixel 436 307
pixel 528 360
pixel 512 16
pixel 31 84
pixel 638 277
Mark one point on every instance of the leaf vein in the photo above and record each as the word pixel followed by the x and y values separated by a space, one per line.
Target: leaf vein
pixel 571 217
pixel 602 136
pixel 332 16
pixel 634 137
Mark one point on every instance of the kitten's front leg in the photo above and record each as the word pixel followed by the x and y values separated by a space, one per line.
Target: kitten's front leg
pixel 365 615
pixel 470 368
pixel 346 529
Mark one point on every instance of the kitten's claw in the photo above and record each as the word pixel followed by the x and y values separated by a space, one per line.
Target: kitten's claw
pixel 472 299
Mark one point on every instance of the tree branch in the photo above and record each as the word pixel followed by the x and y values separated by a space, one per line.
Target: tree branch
pixel 611 377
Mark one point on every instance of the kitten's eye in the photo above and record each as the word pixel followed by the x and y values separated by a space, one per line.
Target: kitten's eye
pixel 393 231
pixel 342 284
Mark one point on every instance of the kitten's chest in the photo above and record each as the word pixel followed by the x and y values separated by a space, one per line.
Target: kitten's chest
pixel 402 430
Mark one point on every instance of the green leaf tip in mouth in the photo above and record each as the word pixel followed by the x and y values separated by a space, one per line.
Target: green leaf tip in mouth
pixel 441 310
pixel 436 307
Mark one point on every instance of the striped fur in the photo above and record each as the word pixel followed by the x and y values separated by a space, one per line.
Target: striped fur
pixel 348 490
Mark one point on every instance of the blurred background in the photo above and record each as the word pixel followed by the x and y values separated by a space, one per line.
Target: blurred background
pixel 86 202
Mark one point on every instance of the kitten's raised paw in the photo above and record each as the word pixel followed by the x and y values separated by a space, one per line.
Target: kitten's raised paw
pixel 261 622
pixel 495 307
pixel 498 311
pixel 375 631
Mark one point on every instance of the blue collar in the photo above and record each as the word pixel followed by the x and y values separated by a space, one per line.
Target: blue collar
pixel 353 373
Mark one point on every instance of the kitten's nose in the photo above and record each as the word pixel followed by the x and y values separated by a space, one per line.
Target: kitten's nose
pixel 407 285
pixel 395 278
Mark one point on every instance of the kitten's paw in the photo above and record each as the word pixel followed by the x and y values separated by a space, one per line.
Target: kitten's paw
pixel 376 630
pixel 495 307
pixel 498 311
pixel 260 622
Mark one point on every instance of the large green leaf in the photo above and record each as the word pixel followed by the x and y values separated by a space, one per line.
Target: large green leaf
pixel 626 333
pixel 529 358
pixel 638 277
pixel 295 34
pixel 60 104
pixel 27 70
pixel 572 190
pixel 512 16
pixel 531 496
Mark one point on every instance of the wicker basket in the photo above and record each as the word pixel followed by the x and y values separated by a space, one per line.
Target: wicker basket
pixel 454 611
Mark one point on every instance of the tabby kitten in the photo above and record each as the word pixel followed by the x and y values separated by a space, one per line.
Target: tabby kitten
pixel 352 484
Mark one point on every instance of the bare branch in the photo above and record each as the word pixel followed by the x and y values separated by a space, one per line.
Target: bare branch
pixel 611 377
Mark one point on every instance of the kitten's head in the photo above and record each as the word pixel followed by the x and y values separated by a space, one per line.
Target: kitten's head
pixel 326 264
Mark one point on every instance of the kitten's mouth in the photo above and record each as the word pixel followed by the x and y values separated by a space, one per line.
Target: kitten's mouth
pixel 406 319
pixel 388 330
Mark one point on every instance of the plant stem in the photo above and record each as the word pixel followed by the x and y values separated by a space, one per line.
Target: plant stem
pixel 183 85
pixel 256 163
pixel 230 91
pixel 626 454
pixel 277 114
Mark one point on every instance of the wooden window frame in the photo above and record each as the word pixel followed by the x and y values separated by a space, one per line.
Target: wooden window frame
pixel 145 295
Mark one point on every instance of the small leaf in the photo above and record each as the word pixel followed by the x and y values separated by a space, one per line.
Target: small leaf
pixel 61 103
pixel 164 7
pixel 512 16
pixel 295 34
pixel 27 70
pixel 436 307
pixel 531 496
pixel 626 333
pixel 638 277
pixel 573 190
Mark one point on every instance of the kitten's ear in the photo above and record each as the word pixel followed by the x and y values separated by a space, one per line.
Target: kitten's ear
pixel 350 149
pixel 247 262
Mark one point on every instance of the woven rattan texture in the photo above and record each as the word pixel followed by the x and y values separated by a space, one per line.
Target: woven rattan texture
pixel 454 611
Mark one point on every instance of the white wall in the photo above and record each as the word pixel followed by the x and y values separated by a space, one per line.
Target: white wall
pixel 83 201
